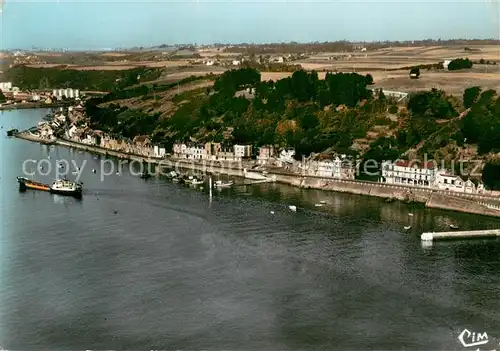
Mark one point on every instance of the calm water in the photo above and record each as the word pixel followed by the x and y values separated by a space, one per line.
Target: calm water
pixel 174 270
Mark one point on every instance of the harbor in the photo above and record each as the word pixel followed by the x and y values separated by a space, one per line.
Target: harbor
pixel 241 263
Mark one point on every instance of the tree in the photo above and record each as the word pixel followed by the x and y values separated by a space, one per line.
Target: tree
pixel 415 73
pixel 459 63
pixel 491 175
pixel 470 96
pixel 2 97
pixel 369 79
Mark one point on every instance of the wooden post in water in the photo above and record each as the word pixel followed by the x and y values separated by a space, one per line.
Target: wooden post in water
pixel 210 188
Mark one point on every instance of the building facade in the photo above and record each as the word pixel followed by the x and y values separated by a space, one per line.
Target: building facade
pixel 408 173
pixel 242 151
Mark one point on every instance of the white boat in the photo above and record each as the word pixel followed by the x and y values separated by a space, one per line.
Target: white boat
pixel 254 175
pixel 293 208
pixel 452 226
pixel 222 184
pixel 323 202
pixel 318 205
pixel 408 227
pixel 410 214
pixel 66 187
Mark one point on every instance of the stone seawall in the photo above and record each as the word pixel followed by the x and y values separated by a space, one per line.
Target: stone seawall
pixel 431 198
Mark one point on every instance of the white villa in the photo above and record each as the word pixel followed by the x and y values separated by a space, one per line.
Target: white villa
pixel 407 173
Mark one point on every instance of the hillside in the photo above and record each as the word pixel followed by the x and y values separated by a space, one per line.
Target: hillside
pixel 338 113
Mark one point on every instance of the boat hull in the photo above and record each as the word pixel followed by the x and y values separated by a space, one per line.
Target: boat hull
pixel 74 193
pixel 25 184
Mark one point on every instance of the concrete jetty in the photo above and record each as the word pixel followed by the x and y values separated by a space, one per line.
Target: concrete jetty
pixel 469 234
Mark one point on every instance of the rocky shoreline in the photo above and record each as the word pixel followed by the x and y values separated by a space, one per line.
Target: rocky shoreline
pixel 467 203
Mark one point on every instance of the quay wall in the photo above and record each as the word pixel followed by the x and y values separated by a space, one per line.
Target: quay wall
pixel 447 200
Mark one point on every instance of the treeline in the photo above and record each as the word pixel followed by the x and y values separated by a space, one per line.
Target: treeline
pixel 346 46
pixel 31 78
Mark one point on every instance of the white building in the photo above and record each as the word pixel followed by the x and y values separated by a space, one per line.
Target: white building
pixel 159 152
pixel 242 151
pixel 450 182
pixel 196 152
pixel 68 93
pixel 5 86
pixel 408 173
pixel 179 150
pixel 446 63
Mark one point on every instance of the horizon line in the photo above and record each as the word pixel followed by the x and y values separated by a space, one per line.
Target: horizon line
pixel 214 44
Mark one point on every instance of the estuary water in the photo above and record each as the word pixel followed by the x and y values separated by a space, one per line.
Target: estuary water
pixel 142 265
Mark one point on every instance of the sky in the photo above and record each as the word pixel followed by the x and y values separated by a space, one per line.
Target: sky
pixel 96 24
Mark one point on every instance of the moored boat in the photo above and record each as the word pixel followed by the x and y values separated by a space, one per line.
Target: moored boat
pixel 222 184
pixel 25 183
pixel 66 187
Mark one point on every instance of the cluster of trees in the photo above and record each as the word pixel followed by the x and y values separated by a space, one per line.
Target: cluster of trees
pixel 300 111
pixel 30 78
pixel 460 63
pixel 481 125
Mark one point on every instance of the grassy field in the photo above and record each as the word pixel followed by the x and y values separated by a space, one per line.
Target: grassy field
pixel 385 65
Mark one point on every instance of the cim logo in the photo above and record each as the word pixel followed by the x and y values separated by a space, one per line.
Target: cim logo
pixel 470 339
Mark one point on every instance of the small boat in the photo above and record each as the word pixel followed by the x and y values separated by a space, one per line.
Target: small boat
pixel 25 183
pixel 66 187
pixel 172 175
pixel 293 208
pixel 192 180
pixel 452 226
pixel 222 184
pixel 410 214
pixel 408 227
pixel 323 202
pixel 318 205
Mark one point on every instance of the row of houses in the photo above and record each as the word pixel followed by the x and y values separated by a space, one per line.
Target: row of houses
pixel 212 151
pixel 140 145
pixel 429 175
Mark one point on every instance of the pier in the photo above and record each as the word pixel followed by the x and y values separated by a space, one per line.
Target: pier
pixel 460 235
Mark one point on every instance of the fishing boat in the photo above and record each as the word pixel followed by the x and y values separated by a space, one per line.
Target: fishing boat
pixel 66 187
pixel 192 180
pixel 223 184
pixel 25 183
